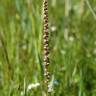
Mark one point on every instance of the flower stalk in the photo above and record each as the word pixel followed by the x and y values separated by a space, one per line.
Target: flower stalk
pixel 46 43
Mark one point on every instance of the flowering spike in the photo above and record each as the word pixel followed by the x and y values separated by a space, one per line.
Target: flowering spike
pixel 46 42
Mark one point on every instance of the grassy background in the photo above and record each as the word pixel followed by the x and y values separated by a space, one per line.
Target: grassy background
pixel 72 47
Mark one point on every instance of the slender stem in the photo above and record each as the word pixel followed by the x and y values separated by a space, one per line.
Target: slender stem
pixel 82 6
pixel 67 16
pixel 90 7
pixel 6 55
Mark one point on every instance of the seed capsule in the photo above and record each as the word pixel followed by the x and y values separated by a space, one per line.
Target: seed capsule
pixel 47 81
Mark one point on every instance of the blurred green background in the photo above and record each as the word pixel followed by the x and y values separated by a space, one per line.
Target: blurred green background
pixel 72 27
